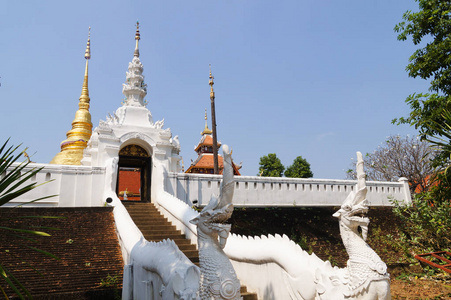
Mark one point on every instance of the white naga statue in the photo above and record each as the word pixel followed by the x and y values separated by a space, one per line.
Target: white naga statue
pixel 365 276
pixel 218 279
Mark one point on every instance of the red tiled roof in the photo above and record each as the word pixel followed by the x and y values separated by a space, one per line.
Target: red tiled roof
pixel 206 140
pixel 206 161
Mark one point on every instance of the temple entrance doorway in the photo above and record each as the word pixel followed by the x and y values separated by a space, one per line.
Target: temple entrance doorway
pixel 134 174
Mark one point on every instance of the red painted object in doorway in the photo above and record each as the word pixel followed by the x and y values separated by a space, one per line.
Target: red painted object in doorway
pixel 129 183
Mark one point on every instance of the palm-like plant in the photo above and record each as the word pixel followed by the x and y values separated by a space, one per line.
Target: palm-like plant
pixel 443 138
pixel 440 181
pixel 13 183
pixel 12 176
pixel 442 142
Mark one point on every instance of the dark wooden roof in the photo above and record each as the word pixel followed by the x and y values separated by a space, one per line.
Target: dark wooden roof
pixel 85 242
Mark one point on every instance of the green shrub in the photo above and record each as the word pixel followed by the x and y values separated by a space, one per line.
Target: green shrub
pixel 425 225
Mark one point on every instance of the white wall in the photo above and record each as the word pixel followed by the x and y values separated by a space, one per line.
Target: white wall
pixel 72 185
pixel 280 191
pixel 83 186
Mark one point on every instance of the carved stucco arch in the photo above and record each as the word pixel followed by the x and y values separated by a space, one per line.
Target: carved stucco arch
pixel 144 164
pixel 140 139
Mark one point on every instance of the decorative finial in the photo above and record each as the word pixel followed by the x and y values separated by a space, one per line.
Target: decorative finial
pixel 88 45
pixel 211 83
pixel 84 98
pixel 206 129
pixel 137 38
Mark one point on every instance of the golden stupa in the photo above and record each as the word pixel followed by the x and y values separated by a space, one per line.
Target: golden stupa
pixel 78 137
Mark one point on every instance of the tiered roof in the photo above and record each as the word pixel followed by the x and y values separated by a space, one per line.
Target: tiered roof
pixel 204 163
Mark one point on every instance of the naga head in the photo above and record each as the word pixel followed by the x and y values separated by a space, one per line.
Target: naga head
pixel 212 218
pixel 353 211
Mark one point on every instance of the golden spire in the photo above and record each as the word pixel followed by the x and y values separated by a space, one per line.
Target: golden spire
pixel 78 137
pixel 137 38
pixel 211 83
pixel 206 129
pixel 84 98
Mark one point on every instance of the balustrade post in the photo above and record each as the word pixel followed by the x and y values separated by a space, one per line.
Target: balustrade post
pixel 406 190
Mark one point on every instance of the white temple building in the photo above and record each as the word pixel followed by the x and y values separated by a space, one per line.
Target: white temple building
pixel 87 173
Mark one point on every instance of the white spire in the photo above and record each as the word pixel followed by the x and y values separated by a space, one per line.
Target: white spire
pixel 134 88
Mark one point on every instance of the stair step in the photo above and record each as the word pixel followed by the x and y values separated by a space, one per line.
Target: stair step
pixel 177 240
pixel 249 296
pixel 162 235
pixel 142 212
pixel 157 227
pixel 151 231
pixel 191 253
pixel 152 222
pixel 187 247
pixel 138 210
pixel 195 260
pixel 147 209
pixel 149 215
pixel 139 218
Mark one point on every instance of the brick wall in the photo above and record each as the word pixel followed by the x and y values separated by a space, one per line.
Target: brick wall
pixel 84 240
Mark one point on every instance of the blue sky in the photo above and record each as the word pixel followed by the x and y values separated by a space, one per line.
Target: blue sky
pixel 321 79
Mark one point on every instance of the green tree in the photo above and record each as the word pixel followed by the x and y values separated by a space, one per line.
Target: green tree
pixel 270 166
pixel 426 221
pixel 397 157
pixel 299 169
pixel 431 27
pixel 425 224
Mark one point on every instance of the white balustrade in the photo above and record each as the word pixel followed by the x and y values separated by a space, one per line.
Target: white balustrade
pixel 253 191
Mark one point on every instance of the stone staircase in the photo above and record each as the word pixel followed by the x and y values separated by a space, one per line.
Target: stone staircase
pixel 155 227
